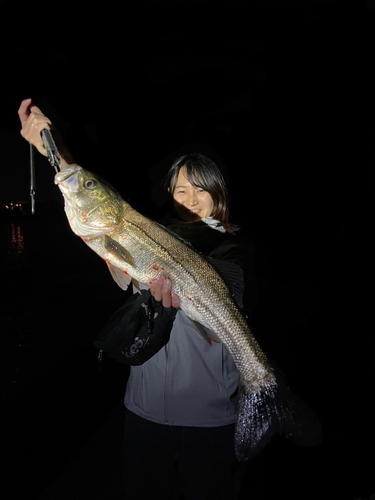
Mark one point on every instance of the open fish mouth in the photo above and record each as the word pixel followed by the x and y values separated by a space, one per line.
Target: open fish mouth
pixel 68 175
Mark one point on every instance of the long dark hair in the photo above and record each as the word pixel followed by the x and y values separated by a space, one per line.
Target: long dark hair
pixel 203 173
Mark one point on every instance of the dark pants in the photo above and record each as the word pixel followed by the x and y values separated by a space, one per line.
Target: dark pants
pixel 163 461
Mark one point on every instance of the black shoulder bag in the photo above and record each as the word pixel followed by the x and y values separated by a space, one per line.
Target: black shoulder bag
pixel 137 330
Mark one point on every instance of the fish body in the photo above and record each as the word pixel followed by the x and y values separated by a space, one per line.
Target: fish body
pixel 138 248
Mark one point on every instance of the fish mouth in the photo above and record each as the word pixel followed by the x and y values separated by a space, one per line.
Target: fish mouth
pixel 65 174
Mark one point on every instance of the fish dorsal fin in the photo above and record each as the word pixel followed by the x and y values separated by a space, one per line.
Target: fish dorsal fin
pixel 231 273
pixel 233 277
pixel 120 277
pixel 209 336
pixel 114 247
pixel 176 235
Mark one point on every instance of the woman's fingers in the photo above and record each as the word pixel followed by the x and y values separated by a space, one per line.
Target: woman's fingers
pixel 33 121
pixel 161 291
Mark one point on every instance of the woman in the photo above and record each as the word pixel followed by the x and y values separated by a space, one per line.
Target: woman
pixel 181 401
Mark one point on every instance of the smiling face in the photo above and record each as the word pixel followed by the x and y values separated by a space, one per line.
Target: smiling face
pixel 191 202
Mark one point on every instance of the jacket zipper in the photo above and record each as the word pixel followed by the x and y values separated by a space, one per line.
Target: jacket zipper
pixel 165 385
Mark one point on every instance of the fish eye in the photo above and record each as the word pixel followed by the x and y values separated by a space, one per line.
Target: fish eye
pixel 90 184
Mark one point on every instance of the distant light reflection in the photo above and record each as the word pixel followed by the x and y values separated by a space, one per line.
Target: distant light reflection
pixel 17 238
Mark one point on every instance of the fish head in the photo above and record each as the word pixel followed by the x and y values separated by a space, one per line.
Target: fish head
pixel 93 208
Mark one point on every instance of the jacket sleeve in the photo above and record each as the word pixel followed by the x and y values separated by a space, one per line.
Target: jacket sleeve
pixel 137 330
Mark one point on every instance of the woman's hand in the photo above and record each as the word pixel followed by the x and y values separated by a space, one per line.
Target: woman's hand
pixel 33 121
pixel 161 291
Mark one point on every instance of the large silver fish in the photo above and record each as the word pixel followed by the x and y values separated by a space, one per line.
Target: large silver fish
pixel 138 248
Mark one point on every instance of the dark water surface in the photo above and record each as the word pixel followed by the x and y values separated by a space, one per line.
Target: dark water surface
pixel 56 296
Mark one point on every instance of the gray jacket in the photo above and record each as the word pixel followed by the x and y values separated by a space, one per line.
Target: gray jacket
pixel 188 382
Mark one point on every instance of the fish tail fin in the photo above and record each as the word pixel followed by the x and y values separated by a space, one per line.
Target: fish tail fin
pixel 271 411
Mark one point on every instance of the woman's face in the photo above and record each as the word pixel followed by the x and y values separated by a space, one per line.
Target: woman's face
pixel 191 203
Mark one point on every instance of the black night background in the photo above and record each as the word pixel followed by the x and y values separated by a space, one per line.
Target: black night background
pixel 280 94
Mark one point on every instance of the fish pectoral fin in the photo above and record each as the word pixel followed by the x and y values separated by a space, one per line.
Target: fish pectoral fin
pixel 120 277
pixel 115 248
pixel 209 336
